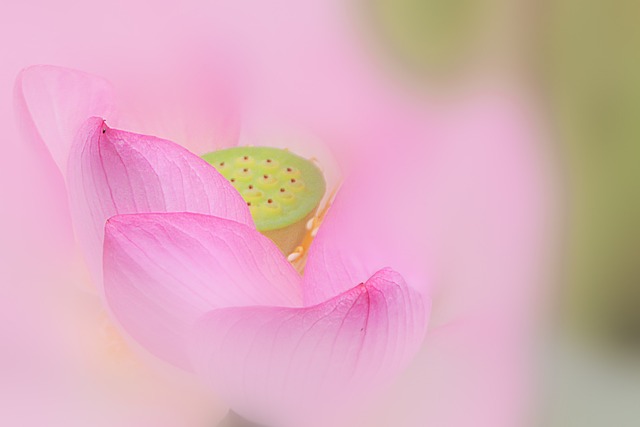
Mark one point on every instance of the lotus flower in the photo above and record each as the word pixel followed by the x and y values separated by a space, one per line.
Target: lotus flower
pixel 169 278
pixel 469 210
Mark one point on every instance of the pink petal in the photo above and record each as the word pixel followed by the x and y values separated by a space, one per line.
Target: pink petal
pixel 115 172
pixel 163 271
pixel 356 239
pixel 53 102
pixel 276 363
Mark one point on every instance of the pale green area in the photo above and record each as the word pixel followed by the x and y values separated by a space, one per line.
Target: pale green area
pixel 592 65
pixel 279 187
pixel 431 36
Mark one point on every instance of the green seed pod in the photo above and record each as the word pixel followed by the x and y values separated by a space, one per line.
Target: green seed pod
pixel 282 190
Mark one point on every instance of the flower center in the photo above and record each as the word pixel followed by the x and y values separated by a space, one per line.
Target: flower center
pixel 282 190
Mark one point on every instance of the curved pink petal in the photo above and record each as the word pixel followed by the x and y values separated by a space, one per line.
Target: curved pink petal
pixel 163 271
pixel 357 238
pixel 53 102
pixel 277 363
pixel 114 172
